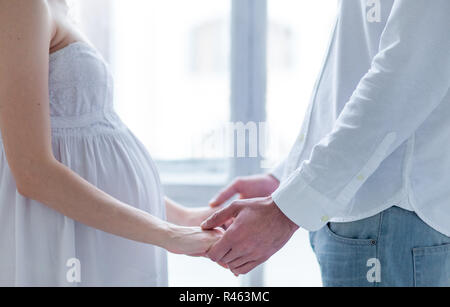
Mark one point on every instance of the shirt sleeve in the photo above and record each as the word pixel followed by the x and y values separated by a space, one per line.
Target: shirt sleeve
pixel 408 79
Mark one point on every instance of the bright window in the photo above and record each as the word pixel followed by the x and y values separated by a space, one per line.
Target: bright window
pixel 172 78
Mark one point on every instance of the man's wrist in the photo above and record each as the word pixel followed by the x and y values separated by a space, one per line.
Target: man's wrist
pixel 302 204
pixel 291 223
pixel 272 176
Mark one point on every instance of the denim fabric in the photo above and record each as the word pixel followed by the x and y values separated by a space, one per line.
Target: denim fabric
pixel 407 252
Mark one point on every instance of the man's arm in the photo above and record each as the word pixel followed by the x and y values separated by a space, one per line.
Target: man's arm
pixel 408 79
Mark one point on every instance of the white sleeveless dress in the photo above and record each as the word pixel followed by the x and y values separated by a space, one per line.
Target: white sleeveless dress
pixel 40 247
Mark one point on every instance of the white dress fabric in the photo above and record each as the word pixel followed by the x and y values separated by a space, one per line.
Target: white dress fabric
pixel 39 246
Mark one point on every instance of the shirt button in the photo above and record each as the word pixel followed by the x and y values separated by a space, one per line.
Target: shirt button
pixel 325 218
pixel 302 137
pixel 360 178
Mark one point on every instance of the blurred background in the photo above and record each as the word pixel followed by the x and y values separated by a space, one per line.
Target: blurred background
pixel 177 73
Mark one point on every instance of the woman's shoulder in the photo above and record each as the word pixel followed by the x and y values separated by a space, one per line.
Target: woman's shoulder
pixel 21 17
pixel 24 7
pixel 24 12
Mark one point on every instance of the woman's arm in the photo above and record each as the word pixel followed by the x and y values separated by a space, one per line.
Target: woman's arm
pixel 25 36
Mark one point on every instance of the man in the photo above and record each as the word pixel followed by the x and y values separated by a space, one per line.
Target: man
pixel 369 174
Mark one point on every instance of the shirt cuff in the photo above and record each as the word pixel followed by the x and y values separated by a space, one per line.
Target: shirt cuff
pixel 302 204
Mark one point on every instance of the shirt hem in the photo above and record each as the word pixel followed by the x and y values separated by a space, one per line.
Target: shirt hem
pixel 413 203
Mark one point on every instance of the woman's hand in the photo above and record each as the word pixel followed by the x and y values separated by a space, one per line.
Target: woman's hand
pixel 192 241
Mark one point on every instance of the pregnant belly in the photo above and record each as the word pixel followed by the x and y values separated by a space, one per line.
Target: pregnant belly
pixel 37 241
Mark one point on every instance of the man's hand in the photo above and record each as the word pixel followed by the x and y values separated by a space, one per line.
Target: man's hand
pixel 247 187
pixel 259 230
pixel 194 217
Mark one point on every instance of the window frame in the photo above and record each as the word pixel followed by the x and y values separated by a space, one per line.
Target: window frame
pixel 248 82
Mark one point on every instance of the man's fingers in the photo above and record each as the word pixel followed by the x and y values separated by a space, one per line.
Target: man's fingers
pixel 246 268
pixel 233 255
pixel 219 250
pixel 223 265
pixel 221 217
pixel 228 224
pixel 238 262
pixel 225 194
pixel 197 255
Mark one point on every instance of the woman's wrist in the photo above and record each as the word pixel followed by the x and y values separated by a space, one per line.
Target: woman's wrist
pixel 191 241
pixel 169 238
pixel 176 237
pixel 160 234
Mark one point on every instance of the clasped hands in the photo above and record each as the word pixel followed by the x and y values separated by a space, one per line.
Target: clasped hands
pixel 255 228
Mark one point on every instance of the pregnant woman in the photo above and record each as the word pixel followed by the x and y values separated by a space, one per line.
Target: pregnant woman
pixel 74 181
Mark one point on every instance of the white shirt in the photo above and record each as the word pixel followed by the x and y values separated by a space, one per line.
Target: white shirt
pixel 377 133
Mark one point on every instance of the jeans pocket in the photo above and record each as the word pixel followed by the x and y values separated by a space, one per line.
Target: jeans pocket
pixel 432 266
pixel 345 261
pixel 347 234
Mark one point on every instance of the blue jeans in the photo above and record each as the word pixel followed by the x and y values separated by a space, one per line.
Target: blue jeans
pixel 393 248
